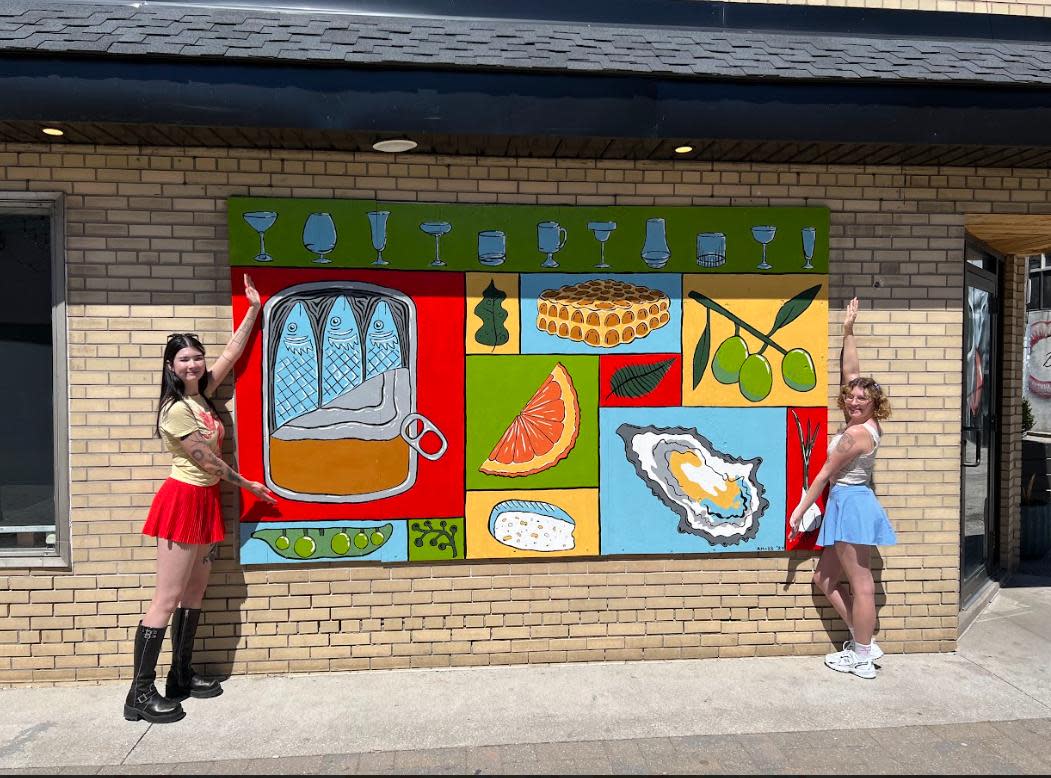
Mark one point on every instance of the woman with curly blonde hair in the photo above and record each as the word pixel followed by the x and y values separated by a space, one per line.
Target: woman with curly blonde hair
pixel 854 521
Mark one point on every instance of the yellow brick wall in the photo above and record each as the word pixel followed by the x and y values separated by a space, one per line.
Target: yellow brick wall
pixel 1009 7
pixel 146 253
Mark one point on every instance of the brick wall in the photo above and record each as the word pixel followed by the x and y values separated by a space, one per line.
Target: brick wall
pixel 146 256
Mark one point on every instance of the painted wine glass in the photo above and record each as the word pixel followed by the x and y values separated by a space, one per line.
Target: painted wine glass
pixel 378 228
pixel 602 231
pixel 764 234
pixel 261 221
pixel 319 236
pixel 809 236
pixel 437 229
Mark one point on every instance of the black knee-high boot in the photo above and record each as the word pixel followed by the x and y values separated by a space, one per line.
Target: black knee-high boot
pixel 183 682
pixel 144 701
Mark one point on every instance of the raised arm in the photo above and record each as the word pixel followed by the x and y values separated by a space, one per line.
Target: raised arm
pixel 853 443
pixel 237 343
pixel 849 366
pixel 198 450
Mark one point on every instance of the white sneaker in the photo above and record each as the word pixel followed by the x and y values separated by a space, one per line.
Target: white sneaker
pixel 849 662
pixel 875 653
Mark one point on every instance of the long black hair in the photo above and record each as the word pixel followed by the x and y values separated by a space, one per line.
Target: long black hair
pixel 173 389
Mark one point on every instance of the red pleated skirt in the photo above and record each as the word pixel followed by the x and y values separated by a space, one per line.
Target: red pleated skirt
pixel 185 513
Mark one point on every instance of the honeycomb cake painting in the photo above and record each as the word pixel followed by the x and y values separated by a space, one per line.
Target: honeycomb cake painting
pixel 434 383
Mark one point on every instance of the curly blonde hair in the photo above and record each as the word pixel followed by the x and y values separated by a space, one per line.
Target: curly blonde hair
pixel 880 403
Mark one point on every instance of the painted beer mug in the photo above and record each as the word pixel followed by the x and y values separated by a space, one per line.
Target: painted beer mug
pixel 339 388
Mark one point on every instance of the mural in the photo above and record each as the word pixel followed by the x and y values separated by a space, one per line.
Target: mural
pixel 436 382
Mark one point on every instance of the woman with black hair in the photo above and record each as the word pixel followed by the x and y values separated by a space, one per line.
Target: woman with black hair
pixel 186 518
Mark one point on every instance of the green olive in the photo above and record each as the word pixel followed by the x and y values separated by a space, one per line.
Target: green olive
pixel 305 547
pixel 340 543
pixel 757 379
pixel 797 368
pixel 361 539
pixel 282 543
pixel 731 354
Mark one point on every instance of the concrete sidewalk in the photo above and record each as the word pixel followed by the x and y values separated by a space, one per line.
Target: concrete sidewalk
pixel 983 709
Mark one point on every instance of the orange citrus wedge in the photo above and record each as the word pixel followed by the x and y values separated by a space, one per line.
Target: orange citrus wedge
pixel 543 432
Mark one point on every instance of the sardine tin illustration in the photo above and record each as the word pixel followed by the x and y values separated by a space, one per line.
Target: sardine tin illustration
pixel 295 367
pixel 382 344
pixel 341 367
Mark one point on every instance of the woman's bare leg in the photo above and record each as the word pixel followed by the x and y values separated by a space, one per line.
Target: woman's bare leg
pixel 174 568
pixel 828 577
pixel 855 559
pixel 193 592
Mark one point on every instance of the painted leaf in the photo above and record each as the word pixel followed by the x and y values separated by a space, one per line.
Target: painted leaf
pixel 490 310
pixel 700 354
pixel 794 308
pixel 328 543
pixel 640 379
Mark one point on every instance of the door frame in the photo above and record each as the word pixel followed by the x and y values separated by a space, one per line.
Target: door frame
pixel 991 282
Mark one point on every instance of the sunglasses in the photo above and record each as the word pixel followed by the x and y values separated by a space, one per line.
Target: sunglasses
pixel 173 335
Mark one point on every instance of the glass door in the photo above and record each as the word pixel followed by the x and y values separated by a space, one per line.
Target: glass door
pixel 980 436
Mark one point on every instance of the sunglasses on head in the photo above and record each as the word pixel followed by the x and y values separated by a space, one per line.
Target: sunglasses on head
pixel 173 335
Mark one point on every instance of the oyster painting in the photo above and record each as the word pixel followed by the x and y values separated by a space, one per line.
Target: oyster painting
pixel 717 496
pixel 433 382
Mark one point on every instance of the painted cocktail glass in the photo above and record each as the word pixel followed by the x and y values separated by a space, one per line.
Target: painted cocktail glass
pixel 492 247
pixel 319 236
pixel 602 231
pixel 764 234
pixel 550 238
pixel 378 227
pixel 261 221
pixel 809 236
pixel 437 229
pixel 655 251
pixel 711 249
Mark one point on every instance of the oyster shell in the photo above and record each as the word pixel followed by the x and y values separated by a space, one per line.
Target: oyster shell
pixel 716 495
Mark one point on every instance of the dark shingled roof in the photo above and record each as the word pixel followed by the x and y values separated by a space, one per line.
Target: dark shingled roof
pixel 55 28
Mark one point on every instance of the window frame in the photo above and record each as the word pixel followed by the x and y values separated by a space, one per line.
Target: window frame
pixel 51 204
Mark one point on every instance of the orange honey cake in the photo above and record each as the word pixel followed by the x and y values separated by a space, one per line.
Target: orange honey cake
pixel 602 312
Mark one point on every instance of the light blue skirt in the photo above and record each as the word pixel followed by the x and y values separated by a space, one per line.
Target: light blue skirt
pixel 854 515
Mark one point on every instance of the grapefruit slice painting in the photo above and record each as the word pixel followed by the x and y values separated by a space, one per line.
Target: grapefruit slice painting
pixel 543 432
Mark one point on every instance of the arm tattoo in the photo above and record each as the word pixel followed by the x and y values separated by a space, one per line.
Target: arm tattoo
pixel 845 444
pixel 210 463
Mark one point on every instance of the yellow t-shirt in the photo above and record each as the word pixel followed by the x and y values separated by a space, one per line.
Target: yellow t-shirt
pixel 185 418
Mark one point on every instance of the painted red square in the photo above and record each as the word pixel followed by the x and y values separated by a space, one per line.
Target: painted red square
pixel 817 418
pixel 668 391
pixel 438 491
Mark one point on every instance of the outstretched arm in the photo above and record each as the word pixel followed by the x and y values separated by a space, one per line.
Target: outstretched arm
pixel 852 444
pixel 849 366
pixel 237 343
pixel 198 450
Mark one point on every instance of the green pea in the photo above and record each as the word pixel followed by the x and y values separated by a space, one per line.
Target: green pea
pixel 376 537
pixel 361 539
pixel 305 547
pixel 340 543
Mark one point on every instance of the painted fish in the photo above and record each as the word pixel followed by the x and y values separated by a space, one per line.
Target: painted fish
pixel 341 368
pixel 295 378
pixel 531 525
pixel 382 344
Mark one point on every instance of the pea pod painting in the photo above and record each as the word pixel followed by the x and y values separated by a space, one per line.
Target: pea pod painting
pixel 325 543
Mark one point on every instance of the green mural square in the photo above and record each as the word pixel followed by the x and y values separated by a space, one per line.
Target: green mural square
pixel 434 540
pixel 515 413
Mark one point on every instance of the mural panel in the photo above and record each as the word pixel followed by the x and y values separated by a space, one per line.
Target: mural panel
pixel 437 382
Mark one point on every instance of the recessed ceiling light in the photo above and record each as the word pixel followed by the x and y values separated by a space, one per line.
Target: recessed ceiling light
pixel 683 149
pixel 394 145
pixel 53 131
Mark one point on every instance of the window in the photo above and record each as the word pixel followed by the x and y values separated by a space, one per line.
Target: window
pixel 34 512
pixel 1038 286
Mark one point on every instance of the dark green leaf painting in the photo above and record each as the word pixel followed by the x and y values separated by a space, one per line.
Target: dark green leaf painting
pixel 638 380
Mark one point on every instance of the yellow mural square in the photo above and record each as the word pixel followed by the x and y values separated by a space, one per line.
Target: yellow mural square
pixel 492 313
pixel 765 337
pixel 532 523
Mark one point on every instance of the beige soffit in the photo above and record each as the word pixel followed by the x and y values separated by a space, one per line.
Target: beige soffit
pixel 1012 233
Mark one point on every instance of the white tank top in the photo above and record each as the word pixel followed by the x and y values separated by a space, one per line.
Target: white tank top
pixel 858 471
